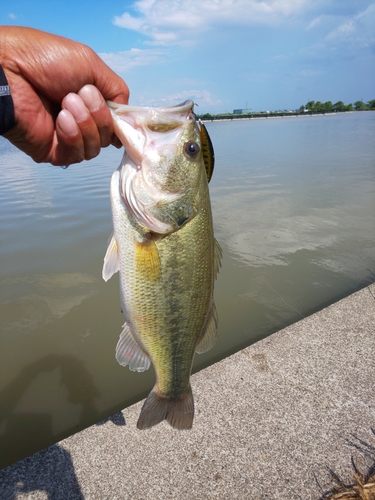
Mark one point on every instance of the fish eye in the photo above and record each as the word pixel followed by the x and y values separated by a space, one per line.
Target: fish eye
pixel 192 149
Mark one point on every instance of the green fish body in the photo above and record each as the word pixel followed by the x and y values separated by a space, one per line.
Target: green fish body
pixel 164 249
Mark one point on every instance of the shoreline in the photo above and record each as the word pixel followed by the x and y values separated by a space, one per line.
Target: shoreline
pixel 270 116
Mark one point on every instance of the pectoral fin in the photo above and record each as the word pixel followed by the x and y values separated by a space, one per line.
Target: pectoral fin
pixel 129 352
pixel 111 260
pixel 147 259
pixel 209 337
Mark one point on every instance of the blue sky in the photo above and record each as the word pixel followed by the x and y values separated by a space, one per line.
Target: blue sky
pixel 223 54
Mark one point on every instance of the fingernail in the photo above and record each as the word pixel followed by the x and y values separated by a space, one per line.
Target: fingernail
pixel 74 104
pixel 67 123
pixel 91 96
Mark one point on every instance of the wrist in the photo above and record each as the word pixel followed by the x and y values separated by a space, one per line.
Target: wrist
pixel 7 117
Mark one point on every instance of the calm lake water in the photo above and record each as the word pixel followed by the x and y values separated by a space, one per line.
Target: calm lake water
pixel 294 208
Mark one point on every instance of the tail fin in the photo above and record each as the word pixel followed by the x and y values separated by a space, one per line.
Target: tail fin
pixel 179 413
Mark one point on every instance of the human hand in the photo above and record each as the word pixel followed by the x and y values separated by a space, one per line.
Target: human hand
pixel 59 88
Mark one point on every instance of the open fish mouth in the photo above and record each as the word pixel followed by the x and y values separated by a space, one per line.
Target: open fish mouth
pixel 157 119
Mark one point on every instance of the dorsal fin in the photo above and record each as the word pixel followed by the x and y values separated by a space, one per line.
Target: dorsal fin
pixel 209 337
pixel 207 151
pixel 218 254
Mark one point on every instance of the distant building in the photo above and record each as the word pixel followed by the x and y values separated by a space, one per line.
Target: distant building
pixel 242 111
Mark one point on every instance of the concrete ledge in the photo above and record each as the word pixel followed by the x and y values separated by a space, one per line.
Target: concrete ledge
pixel 269 421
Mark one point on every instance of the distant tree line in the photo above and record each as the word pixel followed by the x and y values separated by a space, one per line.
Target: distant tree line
pixel 339 106
pixel 310 107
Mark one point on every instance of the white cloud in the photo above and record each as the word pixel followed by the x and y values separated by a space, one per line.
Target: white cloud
pixel 12 16
pixel 339 36
pixel 315 22
pixel 167 22
pixel 323 20
pixel 357 29
pixel 188 82
pixel 129 22
pixel 342 30
pixel 200 97
pixel 121 62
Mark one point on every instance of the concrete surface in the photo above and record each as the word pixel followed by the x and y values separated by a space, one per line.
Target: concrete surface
pixel 270 421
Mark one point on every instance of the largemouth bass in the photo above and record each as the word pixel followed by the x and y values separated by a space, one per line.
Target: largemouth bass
pixel 164 249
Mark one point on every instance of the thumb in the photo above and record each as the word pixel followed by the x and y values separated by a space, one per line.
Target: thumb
pixel 111 86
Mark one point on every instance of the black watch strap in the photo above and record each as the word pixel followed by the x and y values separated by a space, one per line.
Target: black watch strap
pixel 7 118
